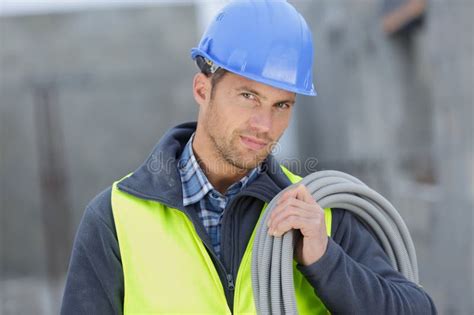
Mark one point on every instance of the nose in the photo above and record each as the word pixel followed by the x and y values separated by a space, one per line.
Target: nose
pixel 261 120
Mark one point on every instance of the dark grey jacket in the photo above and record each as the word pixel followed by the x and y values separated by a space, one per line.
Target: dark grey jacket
pixel 353 277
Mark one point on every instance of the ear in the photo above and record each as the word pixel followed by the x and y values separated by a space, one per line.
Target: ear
pixel 201 89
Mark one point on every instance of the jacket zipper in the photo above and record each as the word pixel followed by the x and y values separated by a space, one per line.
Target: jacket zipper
pixel 230 282
pixel 234 249
pixel 234 244
pixel 222 272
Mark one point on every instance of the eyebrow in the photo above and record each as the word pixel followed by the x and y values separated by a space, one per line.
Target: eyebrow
pixel 247 89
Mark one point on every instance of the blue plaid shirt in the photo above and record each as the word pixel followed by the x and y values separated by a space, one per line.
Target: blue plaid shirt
pixel 198 189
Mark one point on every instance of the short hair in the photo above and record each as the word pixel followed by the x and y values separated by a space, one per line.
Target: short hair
pixel 211 71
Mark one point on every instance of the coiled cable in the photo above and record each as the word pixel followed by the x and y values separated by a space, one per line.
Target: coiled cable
pixel 272 257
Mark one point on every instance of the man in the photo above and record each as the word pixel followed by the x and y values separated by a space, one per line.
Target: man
pixel 175 236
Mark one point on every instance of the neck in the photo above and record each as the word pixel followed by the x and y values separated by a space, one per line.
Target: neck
pixel 220 173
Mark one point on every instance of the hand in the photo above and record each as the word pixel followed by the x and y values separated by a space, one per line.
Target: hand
pixel 297 209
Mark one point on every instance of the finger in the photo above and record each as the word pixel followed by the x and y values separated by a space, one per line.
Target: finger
pixel 291 211
pixel 306 226
pixel 291 202
pixel 303 193
pixel 292 222
pixel 296 207
pixel 300 192
pixel 290 193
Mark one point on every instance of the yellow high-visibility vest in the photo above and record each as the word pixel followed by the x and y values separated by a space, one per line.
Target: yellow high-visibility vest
pixel 167 268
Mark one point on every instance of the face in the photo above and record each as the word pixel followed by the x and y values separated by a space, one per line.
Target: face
pixel 244 119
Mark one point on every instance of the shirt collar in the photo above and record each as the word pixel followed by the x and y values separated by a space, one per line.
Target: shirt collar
pixel 195 183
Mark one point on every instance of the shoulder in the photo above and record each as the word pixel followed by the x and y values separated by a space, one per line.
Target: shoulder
pixel 99 210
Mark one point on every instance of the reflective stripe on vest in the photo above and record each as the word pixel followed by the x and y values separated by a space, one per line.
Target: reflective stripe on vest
pixel 167 268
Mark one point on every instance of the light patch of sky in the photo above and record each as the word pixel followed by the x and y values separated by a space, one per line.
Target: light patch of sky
pixel 27 7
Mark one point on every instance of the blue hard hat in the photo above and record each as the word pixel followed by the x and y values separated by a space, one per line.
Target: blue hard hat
pixel 264 40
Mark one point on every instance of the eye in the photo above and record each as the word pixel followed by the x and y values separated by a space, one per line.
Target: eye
pixel 283 106
pixel 248 96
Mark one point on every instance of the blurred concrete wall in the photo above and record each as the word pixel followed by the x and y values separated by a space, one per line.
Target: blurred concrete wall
pixel 116 80
pixel 396 112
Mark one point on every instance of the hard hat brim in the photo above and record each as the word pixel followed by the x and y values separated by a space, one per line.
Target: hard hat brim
pixel 277 84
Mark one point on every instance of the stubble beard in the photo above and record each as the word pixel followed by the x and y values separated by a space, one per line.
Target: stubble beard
pixel 228 151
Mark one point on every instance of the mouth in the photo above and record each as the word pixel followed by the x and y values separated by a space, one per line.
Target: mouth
pixel 253 143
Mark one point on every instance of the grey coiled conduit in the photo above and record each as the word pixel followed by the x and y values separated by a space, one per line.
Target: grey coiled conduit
pixel 272 257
